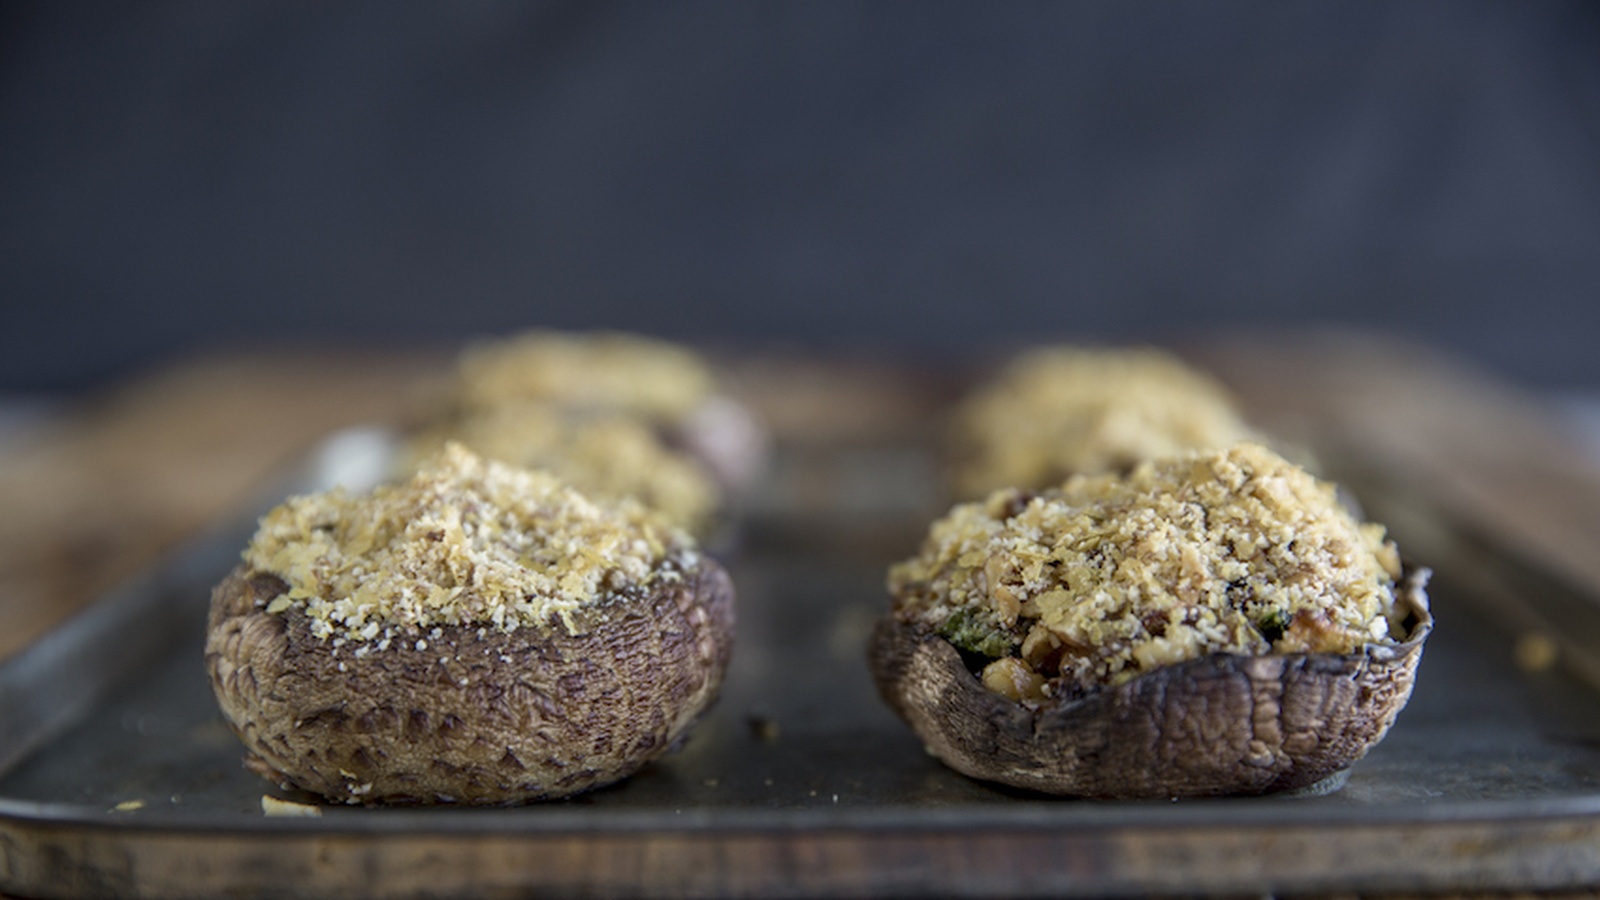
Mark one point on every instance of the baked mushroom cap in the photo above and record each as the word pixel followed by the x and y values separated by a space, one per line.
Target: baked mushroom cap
pixel 1209 623
pixel 1222 724
pixel 465 714
pixel 479 635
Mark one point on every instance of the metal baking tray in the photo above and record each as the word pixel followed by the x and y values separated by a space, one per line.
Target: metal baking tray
pixel 119 778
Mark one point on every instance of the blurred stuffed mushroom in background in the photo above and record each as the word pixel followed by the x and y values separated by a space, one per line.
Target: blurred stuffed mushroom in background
pixel 605 455
pixel 1057 411
pixel 667 386
pixel 615 415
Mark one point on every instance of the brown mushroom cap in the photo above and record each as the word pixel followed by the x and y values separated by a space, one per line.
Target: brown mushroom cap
pixel 462 714
pixel 1221 724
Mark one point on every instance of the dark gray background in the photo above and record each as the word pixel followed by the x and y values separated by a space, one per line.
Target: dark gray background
pixel 910 177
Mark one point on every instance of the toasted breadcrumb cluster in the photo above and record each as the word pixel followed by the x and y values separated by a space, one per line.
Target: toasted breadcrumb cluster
pixel 1105 577
pixel 465 541
pixel 1061 411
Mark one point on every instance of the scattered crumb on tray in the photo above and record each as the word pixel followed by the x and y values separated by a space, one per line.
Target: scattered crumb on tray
pixel 1535 652
pixel 272 806
pixel 763 729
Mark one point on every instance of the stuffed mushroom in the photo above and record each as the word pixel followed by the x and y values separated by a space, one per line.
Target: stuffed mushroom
pixel 1054 412
pixel 606 456
pixel 479 634
pixel 663 385
pixel 1207 624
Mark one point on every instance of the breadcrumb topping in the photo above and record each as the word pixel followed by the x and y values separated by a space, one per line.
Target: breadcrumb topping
pixel 1061 411
pixel 606 457
pixel 464 541
pixel 1105 577
pixel 606 371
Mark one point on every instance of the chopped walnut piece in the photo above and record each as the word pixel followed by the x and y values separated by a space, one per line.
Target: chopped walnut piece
pixel 1011 677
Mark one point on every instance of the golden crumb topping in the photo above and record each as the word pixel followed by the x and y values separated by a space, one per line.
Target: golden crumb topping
pixel 625 373
pixel 1091 583
pixel 464 541
pixel 606 457
pixel 1056 412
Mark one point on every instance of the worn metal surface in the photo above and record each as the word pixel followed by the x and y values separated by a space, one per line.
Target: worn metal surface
pixel 801 782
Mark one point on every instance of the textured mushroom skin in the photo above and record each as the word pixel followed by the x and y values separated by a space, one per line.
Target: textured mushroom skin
pixel 463 718
pixel 1218 725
